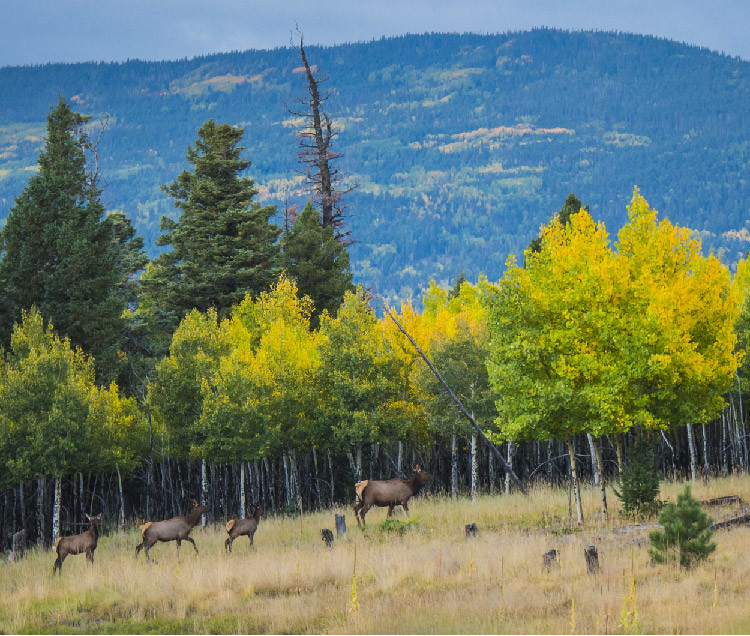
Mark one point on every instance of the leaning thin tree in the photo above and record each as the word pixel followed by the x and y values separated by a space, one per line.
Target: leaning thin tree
pixel 506 466
pixel 316 153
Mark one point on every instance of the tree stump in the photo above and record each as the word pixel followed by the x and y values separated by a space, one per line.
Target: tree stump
pixel 327 537
pixel 340 525
pixel 17 546
pixel 550 559
pixel 592 559
pixel 471 530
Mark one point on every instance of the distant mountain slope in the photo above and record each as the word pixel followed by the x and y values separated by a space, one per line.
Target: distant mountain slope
pixel 462 144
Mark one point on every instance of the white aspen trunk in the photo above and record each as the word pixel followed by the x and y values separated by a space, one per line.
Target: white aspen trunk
pixel 511 452
pixel 286 482
pixel 330 472
pixel 296 485
pixel 243 505
pixel 359 462
pixel 400 460
pixel 474 467
pixel 743 448
pixel 40 509
pixel 121 523
pixel 56 510
pixel 454 467
pixel 355 467
pixel 22 505
pixel 724 464
pixel 80 493
pixel 705 452
pixel 204 489
pixel 620 456
pixel 691 447
pixel 574 479
pixel 315 476
pixel 491 469
pixel 597 461
pixel 594 463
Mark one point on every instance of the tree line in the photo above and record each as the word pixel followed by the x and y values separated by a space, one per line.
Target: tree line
pixel 243 365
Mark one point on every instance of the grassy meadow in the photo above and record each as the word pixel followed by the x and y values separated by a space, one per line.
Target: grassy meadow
pixel 417 575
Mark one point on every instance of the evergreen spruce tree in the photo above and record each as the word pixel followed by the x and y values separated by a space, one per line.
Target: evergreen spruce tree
pixel 58 254
pixel 318 262
pixel 223 245
pixel 639 486
pixel 687 532
pixel 571 206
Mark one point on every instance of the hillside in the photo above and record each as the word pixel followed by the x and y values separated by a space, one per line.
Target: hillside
pixel 462 145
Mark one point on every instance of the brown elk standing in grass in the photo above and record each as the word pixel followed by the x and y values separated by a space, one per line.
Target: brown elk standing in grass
pixel 247 526
pixel 391 493
pixel 77 543
pixel 176 529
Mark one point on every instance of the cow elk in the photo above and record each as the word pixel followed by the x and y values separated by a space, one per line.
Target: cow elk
pixel 78 543
pixel 247 526
pixel 391 493
pixel 175 529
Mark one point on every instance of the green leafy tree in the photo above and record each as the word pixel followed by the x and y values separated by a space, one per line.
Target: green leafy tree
pixel 639 483
pixel 687 532
pixel 318 262
pixel 223 245
pixel 362 380
pixel 58 253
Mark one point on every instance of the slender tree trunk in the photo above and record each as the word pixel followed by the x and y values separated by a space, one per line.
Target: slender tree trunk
pixel 271 497
pixel 330 472
pixel 594 462
pixel 121 524
pixel 724 462
pixel 22 505
pixel 745 458
pixel 574 479
pixel 473 467
pixel 597 461
pixel 317 480
pixel 620 456
pixel 399 462
pixel 454 466
pixel 491 470
pixel 40 509
pixel 511 454
pixel 204 489
pixel 691 448
pixel 56 510
pixel 243 506
pixel 359 461
pixel 705 452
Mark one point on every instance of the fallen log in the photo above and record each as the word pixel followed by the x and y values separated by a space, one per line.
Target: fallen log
pixel 734 521
pixel 722 501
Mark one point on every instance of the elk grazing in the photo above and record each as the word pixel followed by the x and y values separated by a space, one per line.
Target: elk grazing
pixel 77 543
pixel 176 529
pixel 247 526
pixel 391 493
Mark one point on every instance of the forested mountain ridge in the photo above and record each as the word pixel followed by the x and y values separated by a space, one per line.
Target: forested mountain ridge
pixel 462 145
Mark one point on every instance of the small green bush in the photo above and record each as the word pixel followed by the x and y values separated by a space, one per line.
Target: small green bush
pixel 639 486
pixel 396 526
pixel 687 532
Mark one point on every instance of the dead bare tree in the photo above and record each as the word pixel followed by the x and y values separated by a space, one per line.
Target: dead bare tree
pixel 316 153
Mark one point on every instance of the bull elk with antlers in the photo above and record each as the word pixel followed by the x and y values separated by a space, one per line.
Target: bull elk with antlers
pixel 391 493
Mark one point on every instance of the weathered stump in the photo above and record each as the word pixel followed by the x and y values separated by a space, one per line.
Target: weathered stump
pixel 471 530
pixel 550 559
pixel 327 537
pixel 340 525
pixel 17 546
pixel 592 559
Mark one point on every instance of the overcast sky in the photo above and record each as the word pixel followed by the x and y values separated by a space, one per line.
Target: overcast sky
pixel 38 31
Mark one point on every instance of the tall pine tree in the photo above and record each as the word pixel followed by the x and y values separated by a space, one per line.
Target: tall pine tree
pixel 59 254
pixel 223 245
pixel 318 262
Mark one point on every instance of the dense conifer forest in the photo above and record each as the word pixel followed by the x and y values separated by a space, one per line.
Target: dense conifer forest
pixel 462 145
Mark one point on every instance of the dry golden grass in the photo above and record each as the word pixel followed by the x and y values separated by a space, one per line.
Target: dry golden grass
pixel 416 577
